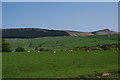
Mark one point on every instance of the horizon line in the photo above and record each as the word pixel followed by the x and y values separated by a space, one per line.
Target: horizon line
pixel 59 29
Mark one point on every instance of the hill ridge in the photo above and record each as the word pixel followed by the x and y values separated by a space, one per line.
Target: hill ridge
pixel 38 32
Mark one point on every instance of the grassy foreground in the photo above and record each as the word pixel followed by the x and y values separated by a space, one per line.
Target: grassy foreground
pixel 62 64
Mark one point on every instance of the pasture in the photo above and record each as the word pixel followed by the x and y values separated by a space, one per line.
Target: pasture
pixel 62 64
pixel 62 43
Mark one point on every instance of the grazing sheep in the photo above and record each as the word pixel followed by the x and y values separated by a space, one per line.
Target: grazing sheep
pixel 38 51
pixel 54 52
pixel 88 51
pixel 28 51
pixel 71 50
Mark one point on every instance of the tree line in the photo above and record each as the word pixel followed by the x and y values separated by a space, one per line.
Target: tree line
pixel 99 47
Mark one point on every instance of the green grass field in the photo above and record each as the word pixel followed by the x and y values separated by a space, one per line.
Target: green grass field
pixel 111 37
pixel 62 64
pixel 63 42
pixel 0 65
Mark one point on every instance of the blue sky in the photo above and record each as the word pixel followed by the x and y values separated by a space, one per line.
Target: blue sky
pixel 79 16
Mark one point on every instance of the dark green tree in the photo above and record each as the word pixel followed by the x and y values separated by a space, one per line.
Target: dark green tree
pixel 36 48
pixel 5 46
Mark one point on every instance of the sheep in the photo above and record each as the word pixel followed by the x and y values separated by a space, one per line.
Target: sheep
pixel 71 50
pixel 88 51
pixel 28 51
pixel 54 52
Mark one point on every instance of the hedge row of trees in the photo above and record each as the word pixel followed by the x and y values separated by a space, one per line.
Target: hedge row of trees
pixel 99 47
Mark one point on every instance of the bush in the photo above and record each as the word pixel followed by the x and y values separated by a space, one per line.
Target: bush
pixel 30 45
pixel 5 46
pixel 19 49
pixel 36 48
pixel 42 49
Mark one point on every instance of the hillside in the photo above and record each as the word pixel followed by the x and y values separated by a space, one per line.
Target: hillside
pixel 62 43
pixel 37 32
pixel 104 32
pixel 76 33
pixel 31 33
pixel 99 32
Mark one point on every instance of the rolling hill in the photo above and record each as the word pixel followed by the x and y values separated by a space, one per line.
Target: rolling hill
pixel 37 32
pixel 31 33
pixel 104 32
pixel 63 43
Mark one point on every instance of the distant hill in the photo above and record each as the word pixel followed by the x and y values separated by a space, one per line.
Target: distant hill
pixel 104 32
pixel 76 33
pixel 31 33
pixel 99 32
pixel 37 32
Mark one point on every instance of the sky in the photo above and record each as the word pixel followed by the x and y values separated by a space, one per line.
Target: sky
pixel 0 15
pixel 60 0
pixel 77 16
